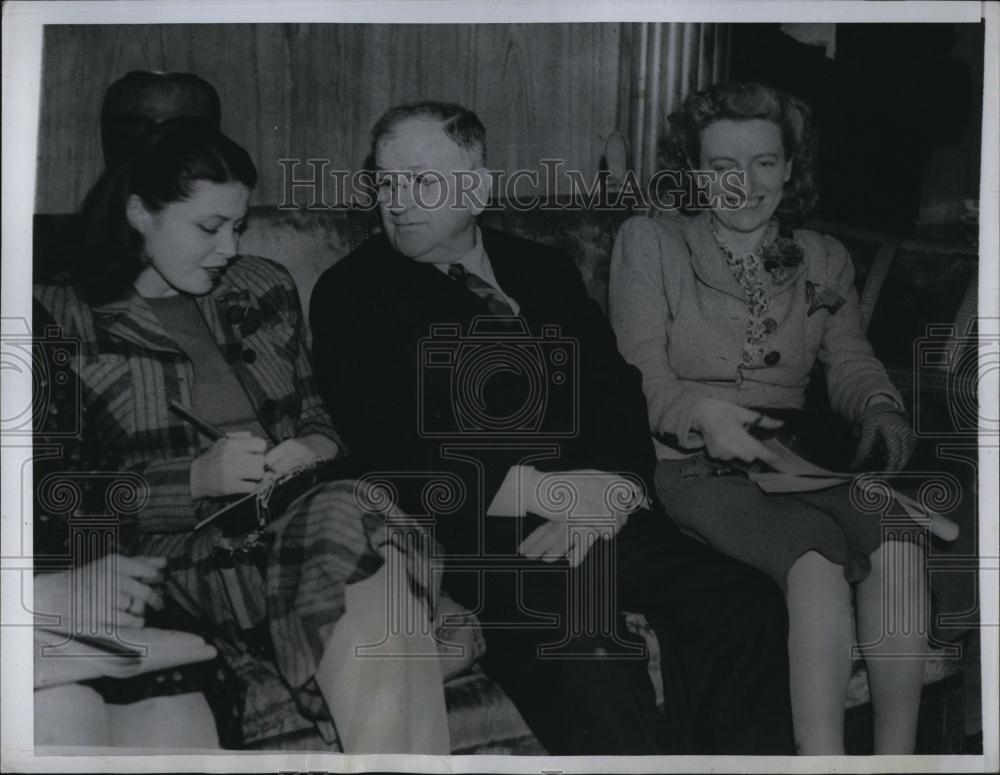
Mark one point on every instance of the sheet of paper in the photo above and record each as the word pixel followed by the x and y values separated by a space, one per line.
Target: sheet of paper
pixel 794 474
pixel 783 483
pixel 58 659
pixel 798 475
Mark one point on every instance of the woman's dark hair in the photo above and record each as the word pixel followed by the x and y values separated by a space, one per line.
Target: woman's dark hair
pixel 681 149
pixel 141 99
pixel 163 169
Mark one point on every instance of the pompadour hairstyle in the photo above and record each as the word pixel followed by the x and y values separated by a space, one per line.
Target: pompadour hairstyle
pixel 170 159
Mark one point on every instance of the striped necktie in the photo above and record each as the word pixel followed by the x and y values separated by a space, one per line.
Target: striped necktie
pixel 481 288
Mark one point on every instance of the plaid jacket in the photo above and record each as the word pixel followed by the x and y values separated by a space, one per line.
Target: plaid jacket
pixel 130 370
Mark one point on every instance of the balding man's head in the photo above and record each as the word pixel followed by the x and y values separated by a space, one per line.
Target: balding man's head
pixel 461 125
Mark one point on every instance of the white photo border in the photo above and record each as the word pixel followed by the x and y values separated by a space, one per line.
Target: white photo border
pixel 23 24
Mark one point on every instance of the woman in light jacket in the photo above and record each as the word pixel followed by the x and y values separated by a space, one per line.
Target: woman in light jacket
pixel 726 312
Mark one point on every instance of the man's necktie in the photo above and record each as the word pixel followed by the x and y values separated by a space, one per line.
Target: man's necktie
pixel 481 288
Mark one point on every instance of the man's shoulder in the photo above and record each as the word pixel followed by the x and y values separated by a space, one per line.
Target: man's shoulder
pixel 367 262
pixel 509 242
pixel 503 246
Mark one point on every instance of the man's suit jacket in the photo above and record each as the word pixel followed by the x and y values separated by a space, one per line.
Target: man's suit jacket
pixel 371 310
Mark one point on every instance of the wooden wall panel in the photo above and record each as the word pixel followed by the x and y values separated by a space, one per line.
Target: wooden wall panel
pixel 313 91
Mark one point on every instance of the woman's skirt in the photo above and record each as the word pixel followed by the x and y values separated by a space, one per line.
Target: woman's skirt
pixel 724 508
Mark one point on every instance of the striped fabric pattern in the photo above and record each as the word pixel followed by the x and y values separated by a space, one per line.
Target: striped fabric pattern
pixel 324 540
pixel 131 370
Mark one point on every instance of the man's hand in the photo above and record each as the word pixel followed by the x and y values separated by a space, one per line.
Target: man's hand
pixel 723 427
pixel 231 466
pixel 581 506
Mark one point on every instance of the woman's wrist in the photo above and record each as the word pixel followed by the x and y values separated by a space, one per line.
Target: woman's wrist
pixel 323 447
pixel 881 403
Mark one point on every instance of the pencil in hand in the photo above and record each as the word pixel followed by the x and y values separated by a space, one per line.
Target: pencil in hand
pixel 201 424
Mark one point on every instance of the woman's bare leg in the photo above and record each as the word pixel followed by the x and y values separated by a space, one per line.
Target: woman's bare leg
pixel 892 632
pixel 820 629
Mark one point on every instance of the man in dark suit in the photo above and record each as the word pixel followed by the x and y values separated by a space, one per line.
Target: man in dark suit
pixel 473 362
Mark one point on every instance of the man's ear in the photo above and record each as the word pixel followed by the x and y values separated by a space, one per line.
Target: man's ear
pixel 137 214
pixel 484 187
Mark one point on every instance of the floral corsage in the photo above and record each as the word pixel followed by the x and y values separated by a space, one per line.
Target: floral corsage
pixel 782 255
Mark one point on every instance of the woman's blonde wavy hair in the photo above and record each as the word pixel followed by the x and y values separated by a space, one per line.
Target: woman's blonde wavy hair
pixel 680 149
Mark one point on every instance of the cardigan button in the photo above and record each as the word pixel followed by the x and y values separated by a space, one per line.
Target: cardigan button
pixel 772 358
pixel 770 325
pixel 249 356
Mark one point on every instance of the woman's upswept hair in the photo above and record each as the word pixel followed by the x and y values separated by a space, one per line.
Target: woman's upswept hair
pixel 163 169
pixel 681 150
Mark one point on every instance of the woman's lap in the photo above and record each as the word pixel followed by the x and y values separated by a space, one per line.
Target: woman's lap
pixel 292 585
pixel 769 532
pixel 326 540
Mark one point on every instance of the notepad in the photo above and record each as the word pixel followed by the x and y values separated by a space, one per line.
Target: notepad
pixel 61 657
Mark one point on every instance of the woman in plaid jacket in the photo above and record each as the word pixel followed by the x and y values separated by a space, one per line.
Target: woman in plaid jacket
pixel 165 310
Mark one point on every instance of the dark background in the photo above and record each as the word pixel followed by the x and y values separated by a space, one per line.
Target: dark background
pixel 898 106
pixel 899 110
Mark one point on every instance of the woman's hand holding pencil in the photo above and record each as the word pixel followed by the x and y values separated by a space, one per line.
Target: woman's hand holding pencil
pixel 233 465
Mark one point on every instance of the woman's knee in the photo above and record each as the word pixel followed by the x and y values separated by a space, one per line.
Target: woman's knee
pixel 898 568
pixel 70 714
pixel 908 555
pixel 335 510
pixel 898 579
pixel 816 575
